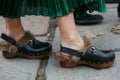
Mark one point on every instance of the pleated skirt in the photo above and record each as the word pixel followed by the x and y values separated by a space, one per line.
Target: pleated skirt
pixel 51 8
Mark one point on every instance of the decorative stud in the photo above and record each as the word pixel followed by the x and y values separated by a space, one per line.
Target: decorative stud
pixel 30 42
pixel 104 62
pixel 99 63
pixel 94 63
pixel 48 35
pixel 84 60
pixel 93 48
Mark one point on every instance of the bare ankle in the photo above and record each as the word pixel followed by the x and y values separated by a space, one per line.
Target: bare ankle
pixel 16 36
pixel 73 43
pixel 76 44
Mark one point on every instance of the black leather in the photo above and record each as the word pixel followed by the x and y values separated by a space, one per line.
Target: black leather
pixel 35 47
pixel 9 39
pixel 112 1
pixel 88 18
pixel 71 51
pixel 98 56
pixel 92 54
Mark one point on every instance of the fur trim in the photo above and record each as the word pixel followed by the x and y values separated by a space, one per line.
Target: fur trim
pixel 24 40
pixel 87 43
pixel 4 46
pixel 69 58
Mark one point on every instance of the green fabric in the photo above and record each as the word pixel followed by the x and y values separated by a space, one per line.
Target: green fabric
pixel 52 8
pixel 79 15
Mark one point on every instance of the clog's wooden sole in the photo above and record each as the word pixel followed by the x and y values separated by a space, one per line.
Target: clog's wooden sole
pixel 9 55
pixel 67 64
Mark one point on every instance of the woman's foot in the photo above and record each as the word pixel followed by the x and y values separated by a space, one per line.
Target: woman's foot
pixel 26 46
pixel 89 56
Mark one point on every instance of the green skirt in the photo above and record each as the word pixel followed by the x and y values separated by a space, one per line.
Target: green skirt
pixel 51 8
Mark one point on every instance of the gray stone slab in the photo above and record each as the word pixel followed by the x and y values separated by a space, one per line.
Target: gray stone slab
pixel 108 41
pixel 18 68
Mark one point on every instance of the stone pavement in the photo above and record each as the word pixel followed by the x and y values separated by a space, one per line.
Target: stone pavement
pixel 49 69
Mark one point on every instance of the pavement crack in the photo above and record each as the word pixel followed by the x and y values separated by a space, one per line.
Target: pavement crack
pixel 115 49
pixel 42 69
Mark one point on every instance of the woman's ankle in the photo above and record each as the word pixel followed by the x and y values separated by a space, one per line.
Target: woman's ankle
pixel 76 44
pixel 73 43
pixel 14 28
pixel 16 35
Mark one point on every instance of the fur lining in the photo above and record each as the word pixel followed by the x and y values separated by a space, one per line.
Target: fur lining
pixel 69 58
pixel 87 43
pixel 24 40
pixel 4 46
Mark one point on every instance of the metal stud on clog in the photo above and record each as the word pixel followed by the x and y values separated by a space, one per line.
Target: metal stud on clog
pixel 92 48
pixel 30 42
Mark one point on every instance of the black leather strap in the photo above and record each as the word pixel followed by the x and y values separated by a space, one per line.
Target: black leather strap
pixel 71 51
pixel 8 39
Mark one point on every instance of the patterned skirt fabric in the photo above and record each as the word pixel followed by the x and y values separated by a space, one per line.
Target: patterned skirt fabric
pixel 51 8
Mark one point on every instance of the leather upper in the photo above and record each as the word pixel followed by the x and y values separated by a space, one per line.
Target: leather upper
pixel 35 47
pixel 92 54
pixel 30 46
pixel 98 55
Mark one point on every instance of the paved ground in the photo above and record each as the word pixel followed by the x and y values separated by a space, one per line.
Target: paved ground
pixel 49 69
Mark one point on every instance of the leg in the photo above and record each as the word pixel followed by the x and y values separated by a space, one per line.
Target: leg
pixel 69 35
pixel 14 28
pixel 75 50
